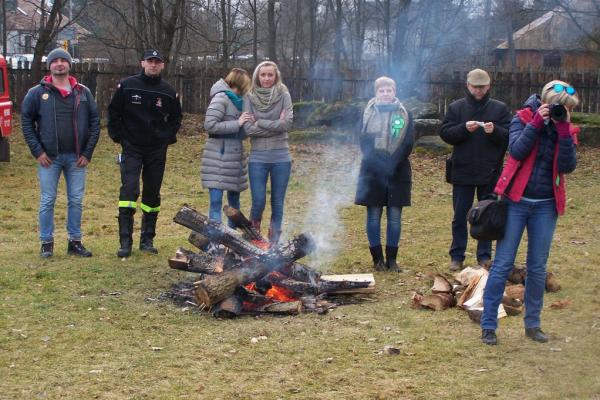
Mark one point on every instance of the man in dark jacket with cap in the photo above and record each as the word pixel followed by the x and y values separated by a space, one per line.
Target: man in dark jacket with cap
pixel 144 116
pixel 477 128
pixel 61 126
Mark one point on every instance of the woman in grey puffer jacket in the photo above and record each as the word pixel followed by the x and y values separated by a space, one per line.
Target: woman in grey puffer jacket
pixel 224 165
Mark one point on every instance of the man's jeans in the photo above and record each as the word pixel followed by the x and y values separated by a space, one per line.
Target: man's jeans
pixel 216 200
pixel 540 220
pixel 462 201
pixel 258 174
pixel 75 179
pixel 394 215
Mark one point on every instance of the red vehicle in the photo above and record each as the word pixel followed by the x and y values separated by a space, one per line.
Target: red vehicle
pixel 5 112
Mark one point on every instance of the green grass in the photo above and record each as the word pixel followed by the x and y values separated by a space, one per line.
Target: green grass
pixel 586 119
pixel 86 328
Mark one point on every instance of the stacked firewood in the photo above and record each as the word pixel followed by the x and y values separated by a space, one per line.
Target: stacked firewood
pixel 465 290
pixel 240 272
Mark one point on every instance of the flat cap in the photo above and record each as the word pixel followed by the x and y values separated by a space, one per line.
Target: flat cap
pixel 478 77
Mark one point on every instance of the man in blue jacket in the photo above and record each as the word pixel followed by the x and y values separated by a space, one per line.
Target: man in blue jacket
pixel 61 126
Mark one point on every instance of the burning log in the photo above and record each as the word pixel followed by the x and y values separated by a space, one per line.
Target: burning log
pixel 231 307
pixel 240 221
pixel 186 260
pixel 199 240
pixel 215 288
pixel 328 284
pixel 287 308
pixel 215 232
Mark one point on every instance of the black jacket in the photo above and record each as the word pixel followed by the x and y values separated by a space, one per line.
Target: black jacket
pixel 38 120
pixel 144 111
pixel 476 157
pixel 385 179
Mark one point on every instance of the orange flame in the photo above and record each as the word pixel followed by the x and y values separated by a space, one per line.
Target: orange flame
pixel 261 244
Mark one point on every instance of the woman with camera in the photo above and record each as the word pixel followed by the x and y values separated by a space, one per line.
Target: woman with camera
pixel 541 150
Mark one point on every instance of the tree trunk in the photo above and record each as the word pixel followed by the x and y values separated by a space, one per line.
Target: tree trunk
pixel 224 39
pixel 272 35
pixel 49 28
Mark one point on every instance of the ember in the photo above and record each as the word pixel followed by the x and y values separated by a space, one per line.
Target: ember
pixel 244 274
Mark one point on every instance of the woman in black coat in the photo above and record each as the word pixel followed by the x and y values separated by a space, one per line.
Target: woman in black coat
pixel 386 141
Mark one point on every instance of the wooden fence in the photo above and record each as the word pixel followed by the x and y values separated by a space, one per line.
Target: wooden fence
pixel 194 85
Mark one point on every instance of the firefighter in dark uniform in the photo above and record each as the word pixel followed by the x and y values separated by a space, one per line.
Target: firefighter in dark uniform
pixel 144 116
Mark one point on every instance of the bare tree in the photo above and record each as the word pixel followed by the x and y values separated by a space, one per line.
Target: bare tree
pixel 272 35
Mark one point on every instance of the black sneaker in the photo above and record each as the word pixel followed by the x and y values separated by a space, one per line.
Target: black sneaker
pixel 488 336
pixel 76 248
pixel 47 250
pixel 536 335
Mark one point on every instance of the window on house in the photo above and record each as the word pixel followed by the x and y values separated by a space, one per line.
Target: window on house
pixel 552 60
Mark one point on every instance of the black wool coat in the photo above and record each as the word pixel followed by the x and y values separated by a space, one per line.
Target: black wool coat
pixel 385 179
pixel 477 156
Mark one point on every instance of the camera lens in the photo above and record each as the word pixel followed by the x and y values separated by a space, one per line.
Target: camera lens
pixel 558 112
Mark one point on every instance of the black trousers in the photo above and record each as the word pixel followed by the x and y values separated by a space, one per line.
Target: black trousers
pixel 149 162
pixel 462 201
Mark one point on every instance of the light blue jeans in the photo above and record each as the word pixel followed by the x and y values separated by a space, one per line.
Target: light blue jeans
pixel 216 201
pixel 540 220
pixel 258 174
pixel 394 214
pixel 75 179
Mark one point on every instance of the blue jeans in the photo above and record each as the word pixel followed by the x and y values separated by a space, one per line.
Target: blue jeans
pixel 75 179
pixel 462 201
pixel 540 220
pixel 258 173
pixel 216 200
pixel 394 215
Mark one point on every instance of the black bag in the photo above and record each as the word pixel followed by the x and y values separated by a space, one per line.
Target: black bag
pixel 488 218
pixel 449 169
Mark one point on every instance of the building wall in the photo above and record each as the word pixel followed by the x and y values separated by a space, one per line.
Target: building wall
pixel 535 59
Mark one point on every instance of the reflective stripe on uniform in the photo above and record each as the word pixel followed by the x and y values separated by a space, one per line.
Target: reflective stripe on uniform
pixel 148 209
pixel 127 204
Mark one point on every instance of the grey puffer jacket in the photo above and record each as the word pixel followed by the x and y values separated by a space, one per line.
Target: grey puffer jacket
pixel 224 164
pixel 270 132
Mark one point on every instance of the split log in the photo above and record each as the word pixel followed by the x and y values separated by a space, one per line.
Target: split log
pixel 287 308
pixel 231 307
pixel 515 292
pixel 240 221
pixel 441 285
pixel 347 283
pixel 215 288
pixel 216 232
pixel 438 301
pixel 552 284
pixel 517 275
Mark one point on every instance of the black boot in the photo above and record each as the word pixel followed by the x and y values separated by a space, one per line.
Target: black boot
pixel 390 259
pixel 47 250
pixel 76 248
pixel 377 255
pixel 536 334
pixel 488 336
pixel 148 232
pixel 125 231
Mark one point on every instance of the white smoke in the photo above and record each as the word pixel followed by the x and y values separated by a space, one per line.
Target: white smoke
pixel 335 187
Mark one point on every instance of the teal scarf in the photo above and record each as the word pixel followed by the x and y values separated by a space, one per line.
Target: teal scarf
pixel 237 101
